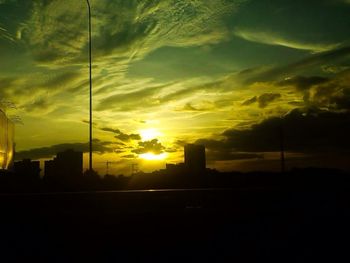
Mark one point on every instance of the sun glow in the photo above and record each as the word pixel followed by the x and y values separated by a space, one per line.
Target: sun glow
pixel 153 157
pixel 149 134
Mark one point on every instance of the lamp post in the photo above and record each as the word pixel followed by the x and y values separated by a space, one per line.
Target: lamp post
pixel 90 80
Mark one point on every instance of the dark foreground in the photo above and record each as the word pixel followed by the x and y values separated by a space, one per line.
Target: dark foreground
pixel 253 224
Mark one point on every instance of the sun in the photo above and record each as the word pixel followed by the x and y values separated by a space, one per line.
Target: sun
pixel 153 157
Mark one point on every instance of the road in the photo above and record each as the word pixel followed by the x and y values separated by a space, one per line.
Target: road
pixel 172 225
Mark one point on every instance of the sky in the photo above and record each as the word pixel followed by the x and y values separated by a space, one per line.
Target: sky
pixel 224 73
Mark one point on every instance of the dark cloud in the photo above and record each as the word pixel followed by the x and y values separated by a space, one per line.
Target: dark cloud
pixel 127 38
pixel 334 94
pixel 191 108
pixel 334 69
pixel 220 150
pixel 303 83
pixel 123 136
pixel 152 146
pixel 341 54
pixel 128 137
pixel 263 100
pixel 331 97
pixel 298 104
pixel 48 152
pixel 319 92
pixel 88 122
pixel 308 132
pixel 117 131
pixel 46 56
pixel 281 72
pixel 250 101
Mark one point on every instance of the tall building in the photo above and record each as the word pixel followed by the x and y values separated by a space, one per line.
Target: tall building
pixel 195 162
pixel 6 141
pixel 27 168
pixel 66 165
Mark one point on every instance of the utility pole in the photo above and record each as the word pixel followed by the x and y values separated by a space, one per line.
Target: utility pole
pixel 90 81
pixel 283 161
pixel 108 163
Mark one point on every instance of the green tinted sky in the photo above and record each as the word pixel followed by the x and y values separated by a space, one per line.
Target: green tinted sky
pixel 221 72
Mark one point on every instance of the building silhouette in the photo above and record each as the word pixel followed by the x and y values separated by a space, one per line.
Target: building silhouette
pixel 175 169
pixel 27 168
pixel 67 165
pixel 195 161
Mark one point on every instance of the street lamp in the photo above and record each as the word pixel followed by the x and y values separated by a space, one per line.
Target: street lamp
pixel 90 79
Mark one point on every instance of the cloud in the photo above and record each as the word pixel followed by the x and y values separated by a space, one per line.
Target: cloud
pixel 131 100
pixel 111 130
pixel 271 38
pixel 319 92
pixel 152 146
pixel 40 106
pixel 128 137
pixel 34 93
pixel 6 84
pixel 334 69
pixel 50 39
pixel 304 131
pixel 200 106
pixel 263 100
pixel 88 122
pixel 273 76
pixel 253 75
pixel 250 101
pixel 48 152
pixel 123 136
pixel 50 35
pixel 129 156
pixel 303 83
pixel 121 29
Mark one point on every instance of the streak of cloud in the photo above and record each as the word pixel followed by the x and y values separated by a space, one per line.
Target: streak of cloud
pixel 270 38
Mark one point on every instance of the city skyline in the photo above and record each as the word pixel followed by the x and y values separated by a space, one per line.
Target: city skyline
pixel 225 73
